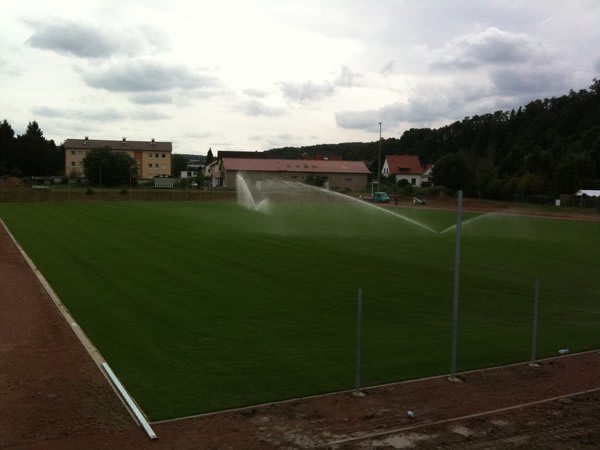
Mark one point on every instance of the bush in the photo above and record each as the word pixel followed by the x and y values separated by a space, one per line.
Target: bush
pixel 124 192
pixel 433 191
pixel 89 191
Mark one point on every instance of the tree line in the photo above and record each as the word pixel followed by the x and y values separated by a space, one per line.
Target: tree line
pixel 30 153
pixel 548 146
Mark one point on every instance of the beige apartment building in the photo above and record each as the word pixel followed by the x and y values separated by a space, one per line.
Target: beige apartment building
pixel 152 158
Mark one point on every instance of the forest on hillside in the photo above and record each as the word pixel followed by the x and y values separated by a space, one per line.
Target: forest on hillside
pixel 548 146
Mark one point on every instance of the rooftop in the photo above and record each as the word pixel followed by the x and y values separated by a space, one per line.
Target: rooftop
pixel 122 144
pixel 294 165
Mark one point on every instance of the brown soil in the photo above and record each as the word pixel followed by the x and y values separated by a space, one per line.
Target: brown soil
pixel 53 396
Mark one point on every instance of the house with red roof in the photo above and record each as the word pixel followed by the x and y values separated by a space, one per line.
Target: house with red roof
pixel 407 167
pixel 347 175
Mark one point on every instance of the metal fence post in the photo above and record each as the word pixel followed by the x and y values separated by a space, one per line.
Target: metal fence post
pixel 456 286
pixel 358 339
pixel 534 328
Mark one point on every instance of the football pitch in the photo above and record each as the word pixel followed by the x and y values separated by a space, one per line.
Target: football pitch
pixel 200 307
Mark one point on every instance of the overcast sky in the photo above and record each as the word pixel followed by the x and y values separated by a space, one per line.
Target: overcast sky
pixel 253 75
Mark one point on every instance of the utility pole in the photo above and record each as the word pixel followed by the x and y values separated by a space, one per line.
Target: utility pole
pixel 379 165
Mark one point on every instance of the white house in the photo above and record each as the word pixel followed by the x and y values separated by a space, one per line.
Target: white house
pixel 407 167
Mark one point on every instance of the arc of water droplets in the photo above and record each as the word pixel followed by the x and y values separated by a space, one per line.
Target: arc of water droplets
pixel 362 202
pixel 466 222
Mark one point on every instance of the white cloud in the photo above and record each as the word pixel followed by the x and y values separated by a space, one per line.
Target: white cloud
pixel 258 93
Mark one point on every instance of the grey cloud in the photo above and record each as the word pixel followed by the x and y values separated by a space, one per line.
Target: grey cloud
pixel 255 93
pixel 531 83
pixel 150 115
pixel 428 105
pixel 257 108
pixel 104 114
pixel 347 78
pixel 150 98
pixel 74 39
pixel 100 115
pixel 491 46
pixel 86 41
pixel 308 91
pixel 597 65
pixel 361 120
pixel 140 76
pixel 388 68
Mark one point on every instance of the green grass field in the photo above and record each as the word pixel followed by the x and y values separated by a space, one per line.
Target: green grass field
pixel 206 306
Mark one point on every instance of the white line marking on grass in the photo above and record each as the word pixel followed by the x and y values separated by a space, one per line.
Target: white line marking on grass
pixel 454 419
pixel 132 405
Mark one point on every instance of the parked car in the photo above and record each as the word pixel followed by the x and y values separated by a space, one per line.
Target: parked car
pixel 380 197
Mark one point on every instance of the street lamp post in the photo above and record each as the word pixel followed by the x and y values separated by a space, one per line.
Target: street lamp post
pixel 379 164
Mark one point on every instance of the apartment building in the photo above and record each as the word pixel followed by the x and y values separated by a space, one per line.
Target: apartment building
pixel 152 158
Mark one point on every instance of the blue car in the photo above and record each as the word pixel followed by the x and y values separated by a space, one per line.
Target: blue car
pixel 380 197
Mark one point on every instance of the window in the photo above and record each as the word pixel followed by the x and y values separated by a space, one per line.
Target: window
pixel 413 181
pixel 150 165
pixel 151 155
pixel 73 152
pixel 156 165
pixel 73 164
pixel 156 155
pixel 164 156
pixel 348 179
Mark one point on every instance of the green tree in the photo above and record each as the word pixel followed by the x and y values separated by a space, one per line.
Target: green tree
pixel 178 164
pixel 209 157
pixel 7 146
pixel 34 154
pixel 451 171
pixel 108 168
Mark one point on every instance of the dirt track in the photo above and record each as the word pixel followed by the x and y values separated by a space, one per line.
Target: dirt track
pixel 54 397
